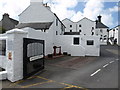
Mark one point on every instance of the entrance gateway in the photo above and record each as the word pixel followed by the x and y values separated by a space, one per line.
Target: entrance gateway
pixel 33 56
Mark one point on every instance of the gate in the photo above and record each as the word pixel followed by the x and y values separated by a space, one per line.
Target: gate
pixel 33 56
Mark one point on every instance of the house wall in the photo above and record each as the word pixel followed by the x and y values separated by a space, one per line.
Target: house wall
pixel 66 42
pixel 86 26
pixel 119 36
pixel 92 50
pixel 114 34
pixel 102 34
pixel 36 12
pixel 67 23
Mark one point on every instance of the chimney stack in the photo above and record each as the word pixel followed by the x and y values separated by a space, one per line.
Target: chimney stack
pixel 36 1
pixel 5 15
pixel 99 18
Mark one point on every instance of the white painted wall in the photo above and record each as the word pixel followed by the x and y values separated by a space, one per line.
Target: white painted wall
pixel 119 36
pixel 102 35
pixel 86 26
pixel 67 23
pixel 66 42
pixel 36 12
pixel 114 34
pixel 14 67
pixel 92 50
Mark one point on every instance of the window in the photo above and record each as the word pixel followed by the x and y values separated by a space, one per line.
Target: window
pixel 92 33
pixel 56 32
pixel 76 41
pixel 92 28
pixel 56 22
pixel 70 30
pixel 3 47
pixel 101 30
pixel 105 38
pixel 70 25
pixel 80 31
pixel 90 42
pixel 80 26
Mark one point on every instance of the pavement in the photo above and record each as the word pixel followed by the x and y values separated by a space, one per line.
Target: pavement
pixel 84 73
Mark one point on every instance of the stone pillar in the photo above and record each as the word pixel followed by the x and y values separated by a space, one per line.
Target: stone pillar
pixel 15 54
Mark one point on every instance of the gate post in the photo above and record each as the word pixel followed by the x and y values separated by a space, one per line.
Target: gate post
pixel 14 51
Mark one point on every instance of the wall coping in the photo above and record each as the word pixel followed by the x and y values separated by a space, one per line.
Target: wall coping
pixel 17 31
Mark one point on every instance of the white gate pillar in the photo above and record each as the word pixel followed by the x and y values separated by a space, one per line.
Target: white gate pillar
pixel 15 54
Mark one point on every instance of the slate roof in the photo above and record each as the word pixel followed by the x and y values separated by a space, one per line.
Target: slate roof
pixel 14 21
pixel 36 26
pixel 71 33
pixel 101 25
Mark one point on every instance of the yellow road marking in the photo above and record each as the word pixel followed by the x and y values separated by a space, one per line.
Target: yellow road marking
pixel 36 84
pixel 48 81
pixel 13 84
pixel 16 83
pixel 69 85
pixel 42 78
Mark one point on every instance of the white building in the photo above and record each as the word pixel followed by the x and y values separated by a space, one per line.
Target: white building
pixel 82 27
pixel 87 27
pixel 43 24
pixel 119 36
pixel 113 35
pixel 39 22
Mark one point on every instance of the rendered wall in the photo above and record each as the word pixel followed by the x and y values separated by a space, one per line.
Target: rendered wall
pixel 86 26
pixel 119 36
pixel 66 42
pixel 101 35
pixel 67 23
pixel 14 64
pixel 92 50
pixel 36 12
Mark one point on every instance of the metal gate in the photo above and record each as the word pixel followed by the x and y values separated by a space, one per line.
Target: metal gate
pixel 33 56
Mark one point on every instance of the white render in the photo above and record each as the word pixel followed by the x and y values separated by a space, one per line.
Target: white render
pixel 114 34
pixel 119 36
pixel 36 12
pixel 103 35
pixel 86 26
pixel 14 44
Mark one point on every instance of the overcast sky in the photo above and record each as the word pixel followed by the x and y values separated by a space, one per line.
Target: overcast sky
pixel 72 9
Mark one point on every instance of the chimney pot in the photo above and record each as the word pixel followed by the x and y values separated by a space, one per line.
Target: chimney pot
pixel 99 18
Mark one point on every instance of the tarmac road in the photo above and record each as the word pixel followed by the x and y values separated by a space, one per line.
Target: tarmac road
pixel 77 72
